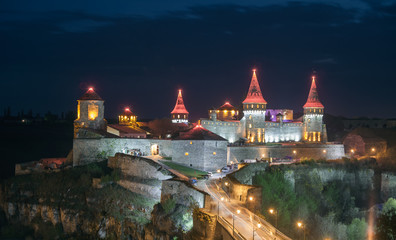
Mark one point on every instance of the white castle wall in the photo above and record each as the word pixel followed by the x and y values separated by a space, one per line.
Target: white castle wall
pixel 231 131
pixel 302 151
pixel 200 153
pixel 92 150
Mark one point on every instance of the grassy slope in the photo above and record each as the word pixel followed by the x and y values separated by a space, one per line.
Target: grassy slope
pixel 189 172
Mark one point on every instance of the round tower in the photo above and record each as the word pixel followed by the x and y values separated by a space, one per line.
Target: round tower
pixel 90 112
pixel 254 108
pixel 179 113
pixel 313 127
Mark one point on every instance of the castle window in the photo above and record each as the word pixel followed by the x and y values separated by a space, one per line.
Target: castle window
pixel 250 125
pixel 92 111
pixel 214 153
pixel 178 115
pixel 190 142
pixel 186 153
pixel 252 105
pixel 258 106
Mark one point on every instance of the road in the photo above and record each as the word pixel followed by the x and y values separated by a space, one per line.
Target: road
pixel 245 222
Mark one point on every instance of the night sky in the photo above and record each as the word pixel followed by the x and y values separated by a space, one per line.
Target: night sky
pixel 138 53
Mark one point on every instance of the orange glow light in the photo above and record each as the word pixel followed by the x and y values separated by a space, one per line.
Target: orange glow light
pixel 127 109
pixel 90 89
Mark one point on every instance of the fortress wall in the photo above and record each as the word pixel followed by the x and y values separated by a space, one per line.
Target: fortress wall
pixel 200 153
pixel 303 151
pixel 231 131
pixel 92 150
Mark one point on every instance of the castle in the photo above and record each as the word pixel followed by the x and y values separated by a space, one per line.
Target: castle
pixel 260 125
pixel 229 135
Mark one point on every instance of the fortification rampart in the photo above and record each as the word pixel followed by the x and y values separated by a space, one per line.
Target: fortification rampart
pixel 296 151
pixel 93 150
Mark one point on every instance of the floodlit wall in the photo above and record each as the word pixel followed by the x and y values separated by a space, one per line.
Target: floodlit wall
pixel 93 150
pixel 231 131
pixel 183 193
pixel 297 151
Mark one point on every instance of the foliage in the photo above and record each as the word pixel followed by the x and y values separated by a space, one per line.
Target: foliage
pixel 357 230
pixel 169 205
pixel 114 176
pixel 329 206
pixel 386 222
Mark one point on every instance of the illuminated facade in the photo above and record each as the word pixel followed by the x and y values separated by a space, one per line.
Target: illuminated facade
pixel 260 125
pixel 90 112
pixel 179 113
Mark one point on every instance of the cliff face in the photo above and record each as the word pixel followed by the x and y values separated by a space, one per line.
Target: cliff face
pixel 67 204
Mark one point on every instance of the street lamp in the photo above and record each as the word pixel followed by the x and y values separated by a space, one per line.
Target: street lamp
pixel 250 198
pixel 274 212
pixel 233 220
pixel 258 226
pixel 302 226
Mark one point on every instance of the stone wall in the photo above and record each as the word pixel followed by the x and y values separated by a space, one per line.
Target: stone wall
pixel 183 193
pixel 207 155
pixel 140 175
pixel 93 150
pixel 231 131
pixel 297 151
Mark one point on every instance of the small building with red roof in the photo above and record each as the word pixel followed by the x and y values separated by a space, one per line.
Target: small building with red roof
pixel 200 148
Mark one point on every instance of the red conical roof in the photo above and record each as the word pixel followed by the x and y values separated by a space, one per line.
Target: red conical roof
pixel 254 95
pixel 128 112
pixel 90 95
pixel 226 106
pixel 179 107
pixel 313 98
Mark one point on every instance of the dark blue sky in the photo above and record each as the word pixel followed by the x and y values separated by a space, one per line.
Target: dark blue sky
pixel 138 53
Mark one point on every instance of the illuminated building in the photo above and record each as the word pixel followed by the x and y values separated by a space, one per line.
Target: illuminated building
pixel 127 126
pixel 179 113
pixel 313 128
pixel 260 125
pixel 90 113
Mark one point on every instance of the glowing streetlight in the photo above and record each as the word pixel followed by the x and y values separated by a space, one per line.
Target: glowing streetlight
pixel 226 183
pixel 294 152
pixel 302 226
pixel 352 151
pixel 251 198
pixel 324 151
pixel 258 226
pixel 373 149
pixel 274 212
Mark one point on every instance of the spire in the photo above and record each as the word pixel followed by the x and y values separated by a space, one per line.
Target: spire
pixel 313 98
pixel 179 107
pixel 254 94
pixel 90 95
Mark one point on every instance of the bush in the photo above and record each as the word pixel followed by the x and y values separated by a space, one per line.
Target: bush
pixel 169 205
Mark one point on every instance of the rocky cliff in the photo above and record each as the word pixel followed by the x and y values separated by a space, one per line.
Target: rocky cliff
pixel 87 202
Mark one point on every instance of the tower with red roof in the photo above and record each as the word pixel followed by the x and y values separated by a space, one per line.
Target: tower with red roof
pixel 90 112
pixel 254 108
pixel 179 113
pixel 313 128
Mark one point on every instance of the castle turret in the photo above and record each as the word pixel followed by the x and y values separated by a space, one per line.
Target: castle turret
pixel 127 118
pixel 313 130
pixel 254 107
pixel 179 113
pixel 90 112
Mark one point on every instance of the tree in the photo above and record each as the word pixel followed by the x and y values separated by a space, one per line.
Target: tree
pixel 386 222
pixel 357 229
